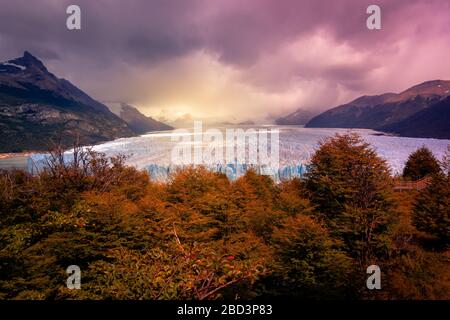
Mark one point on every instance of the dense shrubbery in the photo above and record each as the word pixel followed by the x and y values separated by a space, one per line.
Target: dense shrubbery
pixel 200 236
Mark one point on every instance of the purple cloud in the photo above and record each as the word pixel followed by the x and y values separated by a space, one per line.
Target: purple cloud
pixel 266 56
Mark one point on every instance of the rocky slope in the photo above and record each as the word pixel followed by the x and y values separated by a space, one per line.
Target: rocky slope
pixel 37 109
pixel 138 122
pixel 388 112
pixel 433 122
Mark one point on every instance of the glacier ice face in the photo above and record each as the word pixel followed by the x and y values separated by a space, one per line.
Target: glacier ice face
pixel 232 171
pixel 152 151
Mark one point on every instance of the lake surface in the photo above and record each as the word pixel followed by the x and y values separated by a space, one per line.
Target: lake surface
pixel 14 162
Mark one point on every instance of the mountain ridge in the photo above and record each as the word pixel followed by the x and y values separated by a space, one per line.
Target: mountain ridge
pixel 298 117
pixel 139 122
pixel 432 122
pixel 383 112
pixel 38 109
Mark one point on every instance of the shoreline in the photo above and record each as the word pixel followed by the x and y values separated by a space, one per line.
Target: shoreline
pixel 9 155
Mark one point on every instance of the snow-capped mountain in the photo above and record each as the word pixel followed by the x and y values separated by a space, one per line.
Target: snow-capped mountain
pixel 36 108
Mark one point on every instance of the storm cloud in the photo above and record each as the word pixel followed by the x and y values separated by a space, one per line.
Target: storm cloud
pixel 230 59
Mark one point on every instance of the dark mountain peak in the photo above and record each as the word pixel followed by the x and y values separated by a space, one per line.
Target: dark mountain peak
pixel 128 108
pixel 27 55
pixel 29 61
pixel 430 83
pixel 427 89
pixel 138 122
pixel 29 71
pixel 37 107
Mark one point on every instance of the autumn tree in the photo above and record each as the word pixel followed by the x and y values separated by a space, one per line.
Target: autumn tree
pixel 420 163
pixel 254 197
pixel 292 198
pixel 431 211
pixel 308 262
pixel 351 188
pixel 196 203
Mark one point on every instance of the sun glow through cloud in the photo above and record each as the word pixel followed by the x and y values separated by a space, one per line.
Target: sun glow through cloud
pixel 229 61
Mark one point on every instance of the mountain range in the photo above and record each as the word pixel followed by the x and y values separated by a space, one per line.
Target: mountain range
pixel 137 121
pixel 420 111
pixel 37 109
pixel 298 117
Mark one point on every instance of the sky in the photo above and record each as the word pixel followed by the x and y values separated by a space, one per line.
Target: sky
pixel 232 60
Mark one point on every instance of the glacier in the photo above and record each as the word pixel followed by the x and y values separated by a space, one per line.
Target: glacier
pixel 152 151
